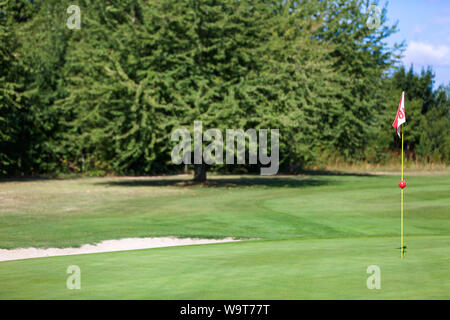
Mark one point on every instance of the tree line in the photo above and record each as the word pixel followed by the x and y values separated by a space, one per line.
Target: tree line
pixel 105 98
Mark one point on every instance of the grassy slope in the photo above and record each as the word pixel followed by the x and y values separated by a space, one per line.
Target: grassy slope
pixel 74 212
pixel 334 228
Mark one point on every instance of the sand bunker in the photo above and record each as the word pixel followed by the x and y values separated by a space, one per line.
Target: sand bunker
pixel 106 246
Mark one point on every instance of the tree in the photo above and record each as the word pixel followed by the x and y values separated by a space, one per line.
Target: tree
pixel 362 59
pixel 106 98
pixel 435 129
pixel 165 65
pixel 420 101
pixel 111 116
pixel 14 119
pixel 44 39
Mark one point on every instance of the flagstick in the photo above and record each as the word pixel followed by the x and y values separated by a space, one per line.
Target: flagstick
pixel 401 248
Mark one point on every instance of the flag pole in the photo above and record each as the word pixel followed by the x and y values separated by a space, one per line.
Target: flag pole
pixel 399 120
pixel 401 242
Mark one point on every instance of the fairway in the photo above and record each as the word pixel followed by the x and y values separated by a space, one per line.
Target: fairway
pixel 317 236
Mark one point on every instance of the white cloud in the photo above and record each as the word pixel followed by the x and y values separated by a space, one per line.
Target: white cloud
pixel 421 53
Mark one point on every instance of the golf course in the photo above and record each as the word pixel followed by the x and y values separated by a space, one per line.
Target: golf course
pixel 304 237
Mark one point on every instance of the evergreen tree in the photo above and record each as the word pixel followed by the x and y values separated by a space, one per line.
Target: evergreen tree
pixel 14 118
pixel 225 63
pixel 44 39
pixel 106 98
pixel 362 59
pixel 434 143
pixel 108 116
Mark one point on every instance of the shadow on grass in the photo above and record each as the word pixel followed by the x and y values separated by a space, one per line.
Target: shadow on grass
pixel 40 178
pixel 336 173
pixel 27 179
pixel 215 182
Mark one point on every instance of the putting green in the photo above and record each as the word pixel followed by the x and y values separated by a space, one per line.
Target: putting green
pixel 281 269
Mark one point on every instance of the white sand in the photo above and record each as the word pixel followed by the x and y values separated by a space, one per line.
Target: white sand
pixel 106 246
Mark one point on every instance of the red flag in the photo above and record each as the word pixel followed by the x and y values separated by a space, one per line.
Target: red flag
pixel 400 118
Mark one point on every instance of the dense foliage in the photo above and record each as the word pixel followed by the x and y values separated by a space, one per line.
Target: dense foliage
pixel 105 98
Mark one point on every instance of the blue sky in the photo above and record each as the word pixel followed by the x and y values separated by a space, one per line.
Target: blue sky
pixel 424 25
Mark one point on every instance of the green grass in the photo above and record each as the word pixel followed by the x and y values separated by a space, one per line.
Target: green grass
pixel 277 269
pixel 319 234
